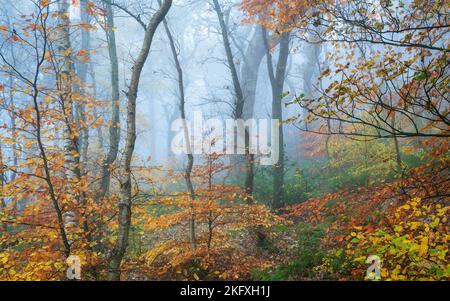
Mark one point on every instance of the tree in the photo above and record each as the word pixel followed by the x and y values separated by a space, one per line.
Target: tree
pixel 187 139
pixel 277 78
pixel 220 211
pixel 114 128
pixel 239 98
pixel 125 203
pixel 55 196
pixel 413 87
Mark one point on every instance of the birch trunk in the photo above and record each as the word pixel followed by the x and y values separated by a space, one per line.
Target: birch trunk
pixel 71 133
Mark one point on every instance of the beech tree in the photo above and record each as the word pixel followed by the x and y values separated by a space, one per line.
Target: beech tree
pixel 126 196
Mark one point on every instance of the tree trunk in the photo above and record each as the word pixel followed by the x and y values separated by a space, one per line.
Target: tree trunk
pixel 253 57
pixel 190 157
pixel 69 107
pixel 125 203
pixel 277 78
pixel 398 156
pixel 239 98
pixel 14 133
pixel 82 74
pixel 114 128
pixel 239 101
pixel 2 182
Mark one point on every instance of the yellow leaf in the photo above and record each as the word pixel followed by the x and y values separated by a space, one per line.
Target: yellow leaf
pixel 406 207
pixel 4 259
pixel 423 247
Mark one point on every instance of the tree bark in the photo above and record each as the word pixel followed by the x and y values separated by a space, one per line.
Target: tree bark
pixel 190 157
pixel 70 109
pixel 277 78
pixel 82 74
pixel 398 157
pixel 254 55
pixel 2 182
pixel 114 128
pixel 239 101
pixel 239 98
pixel 125 203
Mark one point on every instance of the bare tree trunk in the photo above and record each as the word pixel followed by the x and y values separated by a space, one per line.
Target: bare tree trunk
pixel 96 110
pixel 66 81
pixel 125 203
pixel 2 182
pixel 190 157
pixel 239 101
pixel 114 128
pixel 15 145
pixel 82 74
pixel 210 217
pixel 277 78
pixel 84 129
pixel 398 156
pixel 253 57
pixel 249 77
pixel 239 98
pixel 67 71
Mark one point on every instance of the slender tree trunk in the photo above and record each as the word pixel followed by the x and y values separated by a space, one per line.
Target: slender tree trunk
pixel 398 156
pixel 97 111
pixel 83 66
pixel 239 98
pixel 114 128
pixel 82 74
pixel 249 78
pixel 2 182
pixel 366 160
pixel 125 203
pixel 239 101
pixel 211 217
pixel 13 132
pixel 190 157
pixel 277 78
pixel 254 55
pixel 70 109
pixel 67 72
pixel 45 162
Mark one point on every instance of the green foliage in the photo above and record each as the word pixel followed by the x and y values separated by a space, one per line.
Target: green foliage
pixel 335 265
pixel 363 162
pixel 309 254
pixel 267 245
pixel 263 184
pixel 294 185
pixel 351 164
